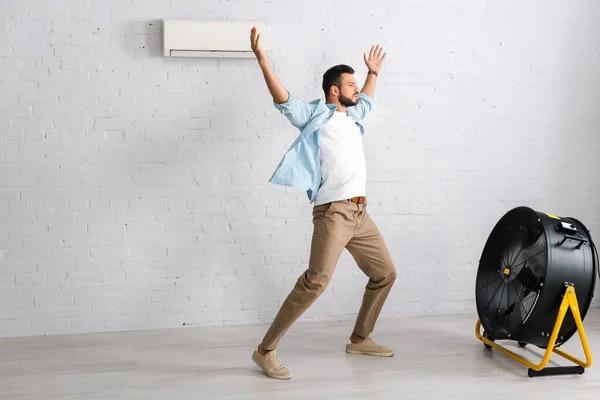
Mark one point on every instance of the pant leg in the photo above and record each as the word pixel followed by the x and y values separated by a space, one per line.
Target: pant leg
pixel 333 228
pixel 372 256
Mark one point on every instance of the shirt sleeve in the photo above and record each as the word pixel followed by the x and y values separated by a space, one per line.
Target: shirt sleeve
pixel 298 112
pixel 364 106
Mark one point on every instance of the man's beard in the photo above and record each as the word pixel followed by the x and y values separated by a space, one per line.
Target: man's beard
pixel 347 101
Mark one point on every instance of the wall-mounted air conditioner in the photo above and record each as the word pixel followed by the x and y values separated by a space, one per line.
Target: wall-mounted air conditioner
pixel 206 38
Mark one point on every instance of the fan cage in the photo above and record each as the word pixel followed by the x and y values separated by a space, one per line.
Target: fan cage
pixel 503 301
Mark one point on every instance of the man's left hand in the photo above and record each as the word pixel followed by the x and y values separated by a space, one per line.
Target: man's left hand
pixel 375 59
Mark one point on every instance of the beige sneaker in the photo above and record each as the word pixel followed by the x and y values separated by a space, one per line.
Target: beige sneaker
pixel 368 347
pixel 271 365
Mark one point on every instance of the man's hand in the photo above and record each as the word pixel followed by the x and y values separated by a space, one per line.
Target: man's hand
pixel 255 44
pixel 375 59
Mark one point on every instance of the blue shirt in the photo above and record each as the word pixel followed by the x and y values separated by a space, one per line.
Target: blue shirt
pixel 300 167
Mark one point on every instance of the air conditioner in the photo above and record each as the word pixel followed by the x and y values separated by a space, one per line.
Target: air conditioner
pixel 212 38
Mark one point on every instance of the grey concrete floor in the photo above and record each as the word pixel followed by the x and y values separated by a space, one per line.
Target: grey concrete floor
pixel 437 357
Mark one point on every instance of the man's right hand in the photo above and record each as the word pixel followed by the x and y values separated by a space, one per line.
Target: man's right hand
pixel 255 44
pixel 277 90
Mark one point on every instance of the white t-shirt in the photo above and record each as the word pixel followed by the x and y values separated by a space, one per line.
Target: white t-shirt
pixel 343 163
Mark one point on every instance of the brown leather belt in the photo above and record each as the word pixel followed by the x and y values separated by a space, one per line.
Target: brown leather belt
pixel 358 200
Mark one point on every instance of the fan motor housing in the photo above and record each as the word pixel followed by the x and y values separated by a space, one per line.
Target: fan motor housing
pixel 528 261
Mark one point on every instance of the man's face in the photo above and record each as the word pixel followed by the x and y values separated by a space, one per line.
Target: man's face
pixel 349 91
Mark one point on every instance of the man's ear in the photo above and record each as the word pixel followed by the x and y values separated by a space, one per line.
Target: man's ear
pixel 334 91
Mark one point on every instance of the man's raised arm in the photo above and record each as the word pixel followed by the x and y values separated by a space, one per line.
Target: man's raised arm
pixel 374 63
pixel 277 90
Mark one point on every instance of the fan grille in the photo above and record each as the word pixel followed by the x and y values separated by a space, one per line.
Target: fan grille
pixel 511 273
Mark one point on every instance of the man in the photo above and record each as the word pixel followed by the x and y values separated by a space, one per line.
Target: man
pixel 327 160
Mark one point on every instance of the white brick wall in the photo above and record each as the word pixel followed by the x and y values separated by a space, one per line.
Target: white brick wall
pixel 133 188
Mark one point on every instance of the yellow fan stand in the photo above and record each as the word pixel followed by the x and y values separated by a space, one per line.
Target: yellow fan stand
pixel 569 302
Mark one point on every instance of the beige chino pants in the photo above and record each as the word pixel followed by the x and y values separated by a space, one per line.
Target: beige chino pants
pixel 339 225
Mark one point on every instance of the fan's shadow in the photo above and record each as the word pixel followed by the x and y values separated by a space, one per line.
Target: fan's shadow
pixel 533 354
pixel 456 350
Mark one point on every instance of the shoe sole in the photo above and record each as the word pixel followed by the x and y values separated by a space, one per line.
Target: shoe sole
pixel 370 353
pixel 283 378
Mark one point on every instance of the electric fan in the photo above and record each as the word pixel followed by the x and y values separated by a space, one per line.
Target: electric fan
pixel 534 268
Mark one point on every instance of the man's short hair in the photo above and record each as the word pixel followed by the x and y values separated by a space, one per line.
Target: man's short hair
pixel 333 77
